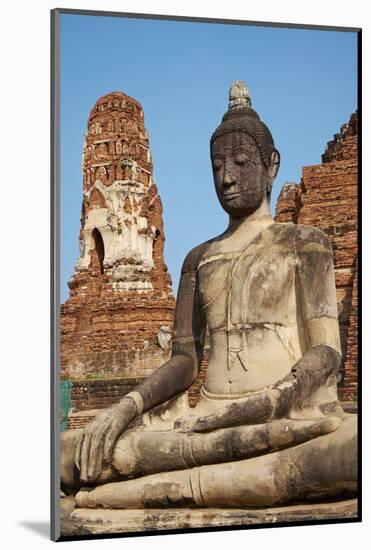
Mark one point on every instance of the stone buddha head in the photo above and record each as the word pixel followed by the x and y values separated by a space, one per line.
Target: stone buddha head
pixel 244 159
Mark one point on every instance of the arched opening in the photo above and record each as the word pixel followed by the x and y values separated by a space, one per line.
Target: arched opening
pixel 158 247
pixel 99 248
pixel 83 213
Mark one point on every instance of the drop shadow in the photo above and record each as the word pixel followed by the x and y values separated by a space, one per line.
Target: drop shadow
pixel 42 528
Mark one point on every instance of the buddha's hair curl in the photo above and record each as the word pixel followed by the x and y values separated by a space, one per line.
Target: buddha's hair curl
pixel 247 120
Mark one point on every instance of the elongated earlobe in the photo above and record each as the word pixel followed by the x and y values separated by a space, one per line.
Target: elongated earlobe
pixel 274 164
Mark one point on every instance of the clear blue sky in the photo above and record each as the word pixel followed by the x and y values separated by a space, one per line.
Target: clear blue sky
pixel 303 84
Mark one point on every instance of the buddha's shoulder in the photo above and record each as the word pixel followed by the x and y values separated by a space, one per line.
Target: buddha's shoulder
pixel 301 237
pixel 194 256
pixel 289 236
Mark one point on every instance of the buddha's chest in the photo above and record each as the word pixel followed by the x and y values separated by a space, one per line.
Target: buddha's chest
pixel 248 287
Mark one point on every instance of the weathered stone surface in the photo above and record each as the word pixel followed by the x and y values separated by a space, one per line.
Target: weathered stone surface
pixel 327 198
pixel 83 521
pixel 120 292
pixel 287 475
pixel 138 454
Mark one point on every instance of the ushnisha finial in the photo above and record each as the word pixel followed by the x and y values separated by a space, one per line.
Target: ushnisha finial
pixel 239 95
pixel 241 117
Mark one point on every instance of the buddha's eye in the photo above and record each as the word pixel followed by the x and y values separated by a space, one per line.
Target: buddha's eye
pixel 217 163
pixel 241 158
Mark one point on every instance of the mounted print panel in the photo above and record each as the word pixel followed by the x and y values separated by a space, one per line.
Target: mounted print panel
pixel 205 234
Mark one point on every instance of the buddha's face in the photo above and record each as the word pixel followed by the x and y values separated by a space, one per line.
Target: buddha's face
pixel 240 175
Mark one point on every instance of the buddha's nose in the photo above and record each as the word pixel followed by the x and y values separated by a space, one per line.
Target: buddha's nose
pixel 228 179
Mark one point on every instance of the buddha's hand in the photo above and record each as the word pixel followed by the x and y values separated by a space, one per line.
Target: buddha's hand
pixel 95 447
pixel 260 408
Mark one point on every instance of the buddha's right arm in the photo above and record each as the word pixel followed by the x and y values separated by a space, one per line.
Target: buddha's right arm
pixel 177 374
pixel 96 443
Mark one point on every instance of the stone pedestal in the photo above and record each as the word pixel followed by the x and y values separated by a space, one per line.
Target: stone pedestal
pixel 84 521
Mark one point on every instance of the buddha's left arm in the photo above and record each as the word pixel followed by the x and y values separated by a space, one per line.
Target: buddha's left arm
pixel 317 310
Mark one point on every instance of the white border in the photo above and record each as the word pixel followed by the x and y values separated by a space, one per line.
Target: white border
pixel 25 176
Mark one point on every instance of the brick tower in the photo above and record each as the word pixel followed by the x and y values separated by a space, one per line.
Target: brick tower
pixel 120 293
pixel 327 198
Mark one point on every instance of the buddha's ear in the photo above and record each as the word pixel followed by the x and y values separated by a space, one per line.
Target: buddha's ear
pixel 274 164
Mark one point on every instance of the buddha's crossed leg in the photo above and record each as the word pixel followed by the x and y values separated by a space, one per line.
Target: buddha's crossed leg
pixel 223 467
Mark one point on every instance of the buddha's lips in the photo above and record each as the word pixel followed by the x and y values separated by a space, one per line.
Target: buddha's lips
pixel 230 196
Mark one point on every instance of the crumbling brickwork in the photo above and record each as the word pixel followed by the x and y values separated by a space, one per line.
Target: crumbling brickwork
pixel 327 198
pixel 120 293
pixel 194 390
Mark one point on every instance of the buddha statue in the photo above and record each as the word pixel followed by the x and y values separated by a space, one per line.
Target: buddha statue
pixel 268 428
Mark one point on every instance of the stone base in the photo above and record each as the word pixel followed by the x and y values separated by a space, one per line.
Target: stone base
pixel 85 521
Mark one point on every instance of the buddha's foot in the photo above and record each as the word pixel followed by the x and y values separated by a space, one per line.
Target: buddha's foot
pixel 325 467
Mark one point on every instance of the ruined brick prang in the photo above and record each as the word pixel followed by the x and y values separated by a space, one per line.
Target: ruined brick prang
pixel 341 147
pixel 327 198
pixel 120 292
